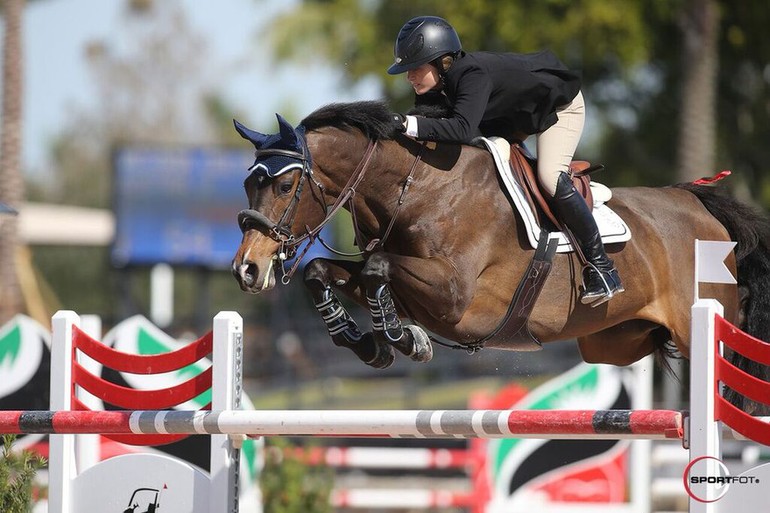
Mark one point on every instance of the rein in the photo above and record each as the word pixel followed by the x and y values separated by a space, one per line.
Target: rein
pixel 374 243
pixel 281 233
pixel 347 195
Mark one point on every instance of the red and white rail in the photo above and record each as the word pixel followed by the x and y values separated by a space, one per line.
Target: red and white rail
pixel 566 424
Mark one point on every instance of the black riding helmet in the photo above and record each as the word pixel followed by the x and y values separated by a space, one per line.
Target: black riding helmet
pixel 423 39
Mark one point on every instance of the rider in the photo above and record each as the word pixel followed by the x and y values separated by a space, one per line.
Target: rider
pixel 507 94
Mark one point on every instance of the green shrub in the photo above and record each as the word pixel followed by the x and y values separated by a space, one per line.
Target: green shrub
pixel 17 471
pixel 292 485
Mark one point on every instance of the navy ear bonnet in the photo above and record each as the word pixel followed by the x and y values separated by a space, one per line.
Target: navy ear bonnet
pixel 292 152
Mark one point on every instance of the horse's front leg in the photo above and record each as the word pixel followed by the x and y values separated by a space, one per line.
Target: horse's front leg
pixel 320 276
pixel 387 327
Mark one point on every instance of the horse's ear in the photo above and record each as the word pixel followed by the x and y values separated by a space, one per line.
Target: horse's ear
pixel 288 134
pixel 256 138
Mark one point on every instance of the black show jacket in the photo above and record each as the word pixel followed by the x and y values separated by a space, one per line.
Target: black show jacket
pixel 500 94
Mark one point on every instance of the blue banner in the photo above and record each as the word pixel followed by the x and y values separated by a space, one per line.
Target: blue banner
pixel 178 206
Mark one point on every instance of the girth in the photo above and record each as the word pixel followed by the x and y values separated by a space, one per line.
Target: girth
pixel 513 331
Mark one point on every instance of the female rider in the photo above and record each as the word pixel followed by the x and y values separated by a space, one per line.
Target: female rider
pixel 507 95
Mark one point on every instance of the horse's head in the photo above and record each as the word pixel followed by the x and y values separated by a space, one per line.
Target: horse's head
pixel 281 213
pixel 273 189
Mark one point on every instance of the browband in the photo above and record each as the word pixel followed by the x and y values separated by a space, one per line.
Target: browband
pixel 284 153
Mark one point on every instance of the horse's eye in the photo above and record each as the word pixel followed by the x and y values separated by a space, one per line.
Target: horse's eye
pixel 285 187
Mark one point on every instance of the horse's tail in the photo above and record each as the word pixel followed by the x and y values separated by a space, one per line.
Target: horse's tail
pixel 751 230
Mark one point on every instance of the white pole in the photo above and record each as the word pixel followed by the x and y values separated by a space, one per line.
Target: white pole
pixel 695 291
pixel 705 431
pixel 226 390
pixel 87 447
pixel 641 450
pixel 162 295
pixel 61 463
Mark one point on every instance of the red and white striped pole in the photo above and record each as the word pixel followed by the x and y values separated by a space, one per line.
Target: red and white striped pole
pixel 553 424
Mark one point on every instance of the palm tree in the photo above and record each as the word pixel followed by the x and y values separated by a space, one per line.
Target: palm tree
pixel 700 61
pixel 11 180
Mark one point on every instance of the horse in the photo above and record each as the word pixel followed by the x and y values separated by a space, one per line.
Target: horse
pixel 443 247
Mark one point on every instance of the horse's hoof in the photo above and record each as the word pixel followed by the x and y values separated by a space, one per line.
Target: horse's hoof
pixel 384 355
pixel 423 349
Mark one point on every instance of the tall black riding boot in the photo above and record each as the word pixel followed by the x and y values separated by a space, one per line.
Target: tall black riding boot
pixel 601 280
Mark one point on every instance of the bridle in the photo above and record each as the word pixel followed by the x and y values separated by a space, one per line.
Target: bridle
pixel 281 231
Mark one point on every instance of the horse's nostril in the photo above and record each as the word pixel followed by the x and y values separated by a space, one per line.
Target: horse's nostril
pixel 248 273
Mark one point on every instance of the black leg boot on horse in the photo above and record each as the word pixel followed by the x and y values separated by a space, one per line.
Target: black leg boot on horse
pixel 410 340
pixel 344 332
pixel 601 280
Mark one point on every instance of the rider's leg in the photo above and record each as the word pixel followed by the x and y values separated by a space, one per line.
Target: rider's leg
pixel 555 149
pixel 556 146
pixel 601 279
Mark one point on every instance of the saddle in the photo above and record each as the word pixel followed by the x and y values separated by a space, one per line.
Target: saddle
pixel 514 327
pixel 523 165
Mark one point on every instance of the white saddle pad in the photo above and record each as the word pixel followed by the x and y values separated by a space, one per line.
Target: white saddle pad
pixel 611 226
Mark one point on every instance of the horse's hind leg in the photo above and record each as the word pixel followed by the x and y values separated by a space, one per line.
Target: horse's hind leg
pixel 320 275
pixel 387 327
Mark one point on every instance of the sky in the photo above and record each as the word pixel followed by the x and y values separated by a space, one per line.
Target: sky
pixel 57 81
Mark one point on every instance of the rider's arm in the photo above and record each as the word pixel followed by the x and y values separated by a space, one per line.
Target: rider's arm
pixel 469 94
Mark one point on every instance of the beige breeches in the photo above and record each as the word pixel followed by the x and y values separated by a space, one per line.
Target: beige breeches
pixel 556 146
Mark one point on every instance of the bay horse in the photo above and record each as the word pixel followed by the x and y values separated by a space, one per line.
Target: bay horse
pixel 442 246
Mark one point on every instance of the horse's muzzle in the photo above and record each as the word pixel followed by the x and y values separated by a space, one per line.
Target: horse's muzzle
pixel 253 265
pixel 248 277
pixel 245 274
